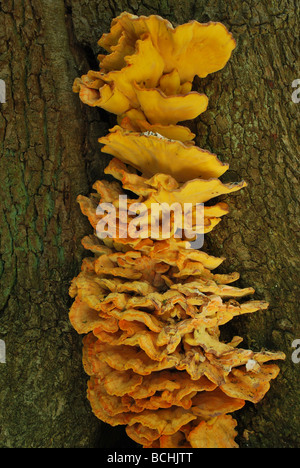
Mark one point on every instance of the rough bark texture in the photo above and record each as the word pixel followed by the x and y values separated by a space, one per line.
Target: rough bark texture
pixel 49 154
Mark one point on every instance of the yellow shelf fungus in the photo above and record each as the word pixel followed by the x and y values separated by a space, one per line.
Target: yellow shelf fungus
pixel 151 307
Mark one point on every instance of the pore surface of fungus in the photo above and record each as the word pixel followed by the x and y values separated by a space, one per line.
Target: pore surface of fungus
pixel 151 307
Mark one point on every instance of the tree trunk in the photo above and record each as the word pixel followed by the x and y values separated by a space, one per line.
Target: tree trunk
pixel 49 155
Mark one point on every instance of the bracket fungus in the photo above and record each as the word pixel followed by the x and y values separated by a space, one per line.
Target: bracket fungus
pixel 151 308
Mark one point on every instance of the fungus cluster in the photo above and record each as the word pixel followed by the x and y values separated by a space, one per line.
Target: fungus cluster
pixel 151 308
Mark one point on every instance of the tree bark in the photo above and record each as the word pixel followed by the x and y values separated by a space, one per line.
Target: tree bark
pixel 49 154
